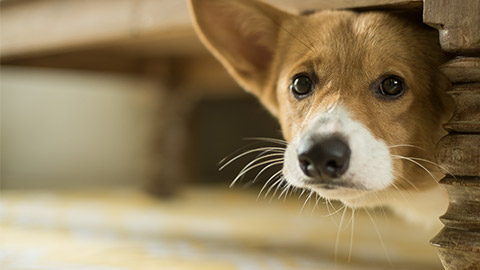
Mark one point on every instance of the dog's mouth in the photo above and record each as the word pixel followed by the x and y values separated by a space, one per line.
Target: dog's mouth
pixel 346 184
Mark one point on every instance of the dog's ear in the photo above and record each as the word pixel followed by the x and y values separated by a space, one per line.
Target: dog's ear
pixel 242 34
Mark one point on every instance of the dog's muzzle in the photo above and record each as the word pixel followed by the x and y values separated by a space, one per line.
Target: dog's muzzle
pixel 337 157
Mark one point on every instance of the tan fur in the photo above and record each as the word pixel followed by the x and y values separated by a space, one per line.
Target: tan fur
pixel 263 48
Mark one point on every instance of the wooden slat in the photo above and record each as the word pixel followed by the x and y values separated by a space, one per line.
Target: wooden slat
pixel 459 25
pixel 460 154
pixel 35 27
pixel 467 108
pixel 463 201
pixel 463 69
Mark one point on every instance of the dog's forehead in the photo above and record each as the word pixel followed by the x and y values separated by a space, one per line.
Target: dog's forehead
pixel 343 34
pixel 338 24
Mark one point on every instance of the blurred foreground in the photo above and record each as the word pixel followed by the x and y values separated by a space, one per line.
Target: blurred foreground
pixel 202 228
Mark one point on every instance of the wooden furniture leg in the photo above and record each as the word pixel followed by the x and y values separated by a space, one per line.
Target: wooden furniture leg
pixel 168 169
pixel 458 243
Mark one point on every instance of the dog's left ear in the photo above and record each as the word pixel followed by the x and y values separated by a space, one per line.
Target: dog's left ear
pixel 243 36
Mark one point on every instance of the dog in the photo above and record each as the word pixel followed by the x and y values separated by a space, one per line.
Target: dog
pixel 359 97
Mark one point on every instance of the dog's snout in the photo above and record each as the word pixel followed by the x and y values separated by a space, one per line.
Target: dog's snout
pixel 323 158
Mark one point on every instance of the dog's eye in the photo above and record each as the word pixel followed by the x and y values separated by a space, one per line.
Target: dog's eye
pixel 392 86
pixel 301 86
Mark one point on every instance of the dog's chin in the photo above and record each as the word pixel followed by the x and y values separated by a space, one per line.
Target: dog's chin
pixel 340 193
pixel 354 197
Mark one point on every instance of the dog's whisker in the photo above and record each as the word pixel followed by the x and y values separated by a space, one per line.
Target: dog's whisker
pixel 402 187
pixel 336 211
pixel 317 200
pixel 301 193
pixel 331 214
pixel 247 153
pixel 293 190
pixel 268 182
pixel 339 230
pixel 379 236
pixel 279 186
pixel 289 188
pixel 399 191
pixel 243 173
pixel 351 235
pixel 269 166
pixel 275 185
pixel 408 182
pixel 265 156
pixel 284 191
pixel 246 170
pixel 306 200
pixel 418 164
pixel 272 140
pixel 251 163
pixel 266 168
pixel 348 223
pixel 268 149
pixel 382 208
pixel 445 170
pixel 406 145
pixel 327 201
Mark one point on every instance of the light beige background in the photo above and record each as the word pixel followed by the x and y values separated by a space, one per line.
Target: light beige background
pixel 69 129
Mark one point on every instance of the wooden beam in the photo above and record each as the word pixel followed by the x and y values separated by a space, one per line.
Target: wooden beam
pixel 39 27
pixel 300 5
pixel 33 27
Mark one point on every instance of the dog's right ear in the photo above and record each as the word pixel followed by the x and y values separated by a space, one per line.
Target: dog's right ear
pixel 242 34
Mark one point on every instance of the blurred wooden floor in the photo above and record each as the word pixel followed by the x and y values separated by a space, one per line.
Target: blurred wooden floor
pixel 202 228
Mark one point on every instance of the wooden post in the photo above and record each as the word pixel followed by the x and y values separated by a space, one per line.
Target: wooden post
pixel 458 243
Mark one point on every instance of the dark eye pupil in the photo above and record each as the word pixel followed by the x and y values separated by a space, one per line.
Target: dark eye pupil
pixel 391 86
pixel 302 85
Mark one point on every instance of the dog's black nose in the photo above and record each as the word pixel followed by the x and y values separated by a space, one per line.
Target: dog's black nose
pixel 323 158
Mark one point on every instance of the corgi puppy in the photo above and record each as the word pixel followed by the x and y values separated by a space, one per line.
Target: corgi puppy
pixel 359 97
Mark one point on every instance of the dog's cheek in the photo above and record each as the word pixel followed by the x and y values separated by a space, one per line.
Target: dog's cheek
pixel 288 123
pixel 371 162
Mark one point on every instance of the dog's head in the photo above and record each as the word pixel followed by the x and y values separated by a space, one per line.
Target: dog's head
pixel 358 95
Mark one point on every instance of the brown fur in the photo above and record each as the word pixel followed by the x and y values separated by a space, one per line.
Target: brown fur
pixel 263 48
